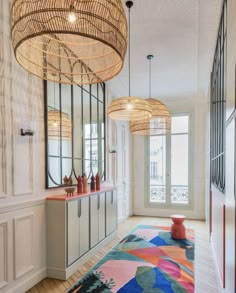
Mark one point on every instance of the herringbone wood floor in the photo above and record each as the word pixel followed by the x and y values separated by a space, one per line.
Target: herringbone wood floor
pixel 206 280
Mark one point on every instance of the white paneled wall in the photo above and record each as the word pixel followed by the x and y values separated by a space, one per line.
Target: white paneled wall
pixel 22 246
pixel 22 207
pixel 123 178
pixel 4 227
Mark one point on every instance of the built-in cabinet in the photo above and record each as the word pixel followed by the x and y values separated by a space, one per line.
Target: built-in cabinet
pixel 97 218
pixel 111 214
pixel 76 228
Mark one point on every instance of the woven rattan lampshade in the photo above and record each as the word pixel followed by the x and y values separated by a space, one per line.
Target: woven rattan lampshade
pixel 55 119
pixel 159 123
pixel 129 108
pixel 83 42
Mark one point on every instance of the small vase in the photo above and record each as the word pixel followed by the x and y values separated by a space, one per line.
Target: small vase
pixel 79 185
pixel 85 184
pixel 92 185
pixel 97 181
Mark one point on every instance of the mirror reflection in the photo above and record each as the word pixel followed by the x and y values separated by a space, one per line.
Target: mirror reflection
pixel 75 131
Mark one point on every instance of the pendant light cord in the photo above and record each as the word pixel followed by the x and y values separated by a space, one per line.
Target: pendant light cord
pixel 54 95
pixel 149 57
pixel 150 79
pixel 129 53
pixel 129 4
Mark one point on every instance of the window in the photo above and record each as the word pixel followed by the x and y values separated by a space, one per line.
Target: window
pixel 169 165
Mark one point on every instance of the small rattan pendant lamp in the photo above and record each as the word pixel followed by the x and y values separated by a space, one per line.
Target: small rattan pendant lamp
pixel 83 42
pixel 129 108
pixel 159 123
pixel 59 123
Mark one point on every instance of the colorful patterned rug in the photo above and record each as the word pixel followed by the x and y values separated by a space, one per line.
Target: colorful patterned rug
pixel 147 260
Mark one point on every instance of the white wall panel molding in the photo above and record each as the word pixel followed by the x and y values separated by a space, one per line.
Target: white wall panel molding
pixel 3 156
pixel 23 246
pixel 18 206
pixel 3 254
pixel 21 102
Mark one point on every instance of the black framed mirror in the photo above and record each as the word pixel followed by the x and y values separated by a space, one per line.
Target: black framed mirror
pixel 75 131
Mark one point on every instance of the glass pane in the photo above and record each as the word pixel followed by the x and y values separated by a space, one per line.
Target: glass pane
pixel 94 155
pixel 87 131
pixel 87 149
pixel 100 108
pixel 67 169
pixel 77 124
pixel 86 107
pixel 179 169
pixel 179 124
pixel 66 121
pixel 158 169
pixel 100 93
pixel 94 130
pixel 78 167
pixel 87 168
pixel 53 147
pixel 53 121
pixel 102 162
pixel 54 171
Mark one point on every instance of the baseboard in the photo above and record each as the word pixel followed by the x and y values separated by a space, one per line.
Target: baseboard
pixel 27 283
pixel 166 214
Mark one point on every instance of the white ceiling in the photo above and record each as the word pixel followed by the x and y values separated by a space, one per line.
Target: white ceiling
pixel 181 34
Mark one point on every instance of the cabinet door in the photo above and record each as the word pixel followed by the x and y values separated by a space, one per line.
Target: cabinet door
pixel 73 210
pixel 101 219
pixel 111 212
pixel 94 211
pixel 84 226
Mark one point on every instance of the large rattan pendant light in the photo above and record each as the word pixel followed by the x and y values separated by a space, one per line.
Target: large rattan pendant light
pixel 83 42
pixel 129 108
pixel 160 121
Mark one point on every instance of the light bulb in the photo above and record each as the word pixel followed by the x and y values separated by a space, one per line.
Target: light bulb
pixel 72 17
pixel 55 123
pixel 129 106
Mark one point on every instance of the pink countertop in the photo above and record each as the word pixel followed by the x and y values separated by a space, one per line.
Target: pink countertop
pixel 77 195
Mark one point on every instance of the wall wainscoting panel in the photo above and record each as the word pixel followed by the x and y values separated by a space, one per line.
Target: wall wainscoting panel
pixel 21 106
pixel 23 152
pixel 23 246
pixel 218 231
pixel 3 156
pixel 3 254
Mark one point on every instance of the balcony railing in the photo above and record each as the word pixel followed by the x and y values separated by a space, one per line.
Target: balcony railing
pixel 179 194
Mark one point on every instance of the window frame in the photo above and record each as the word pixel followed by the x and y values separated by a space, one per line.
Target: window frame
pixel 168 204
pixel 100 97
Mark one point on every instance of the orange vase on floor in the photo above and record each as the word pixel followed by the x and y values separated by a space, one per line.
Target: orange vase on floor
pixel 177 228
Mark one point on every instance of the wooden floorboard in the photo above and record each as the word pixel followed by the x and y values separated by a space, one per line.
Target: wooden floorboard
pixel 206 280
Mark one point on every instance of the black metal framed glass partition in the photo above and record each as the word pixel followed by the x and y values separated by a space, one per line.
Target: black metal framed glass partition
pixel 75 131
pixel 218 101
